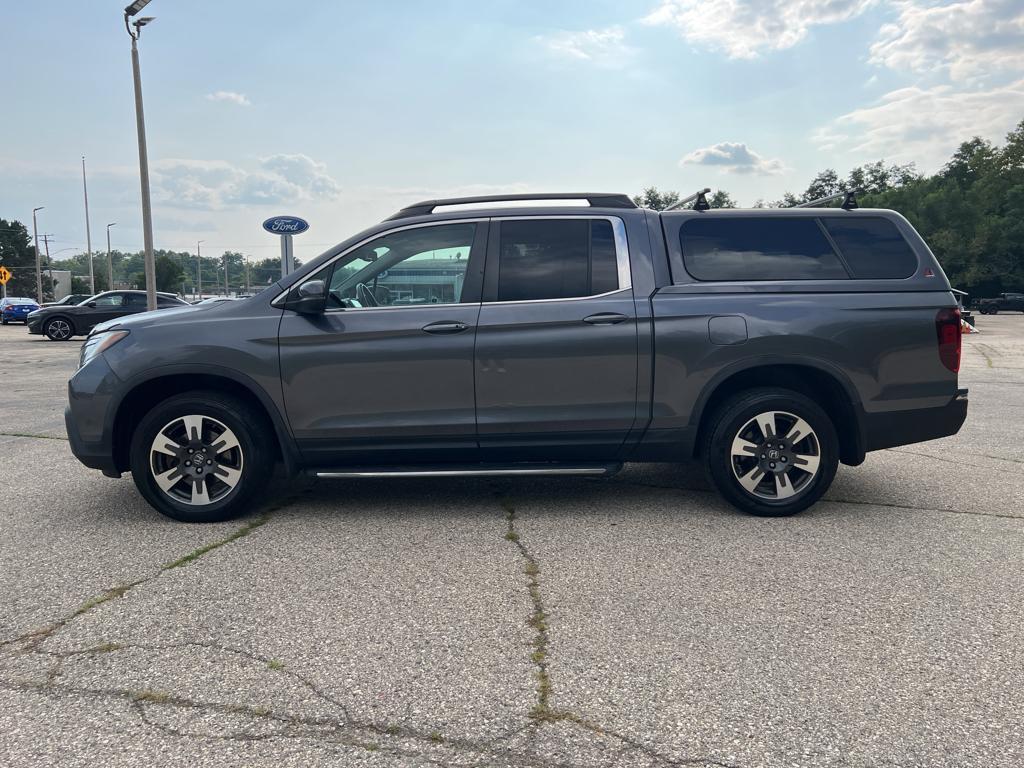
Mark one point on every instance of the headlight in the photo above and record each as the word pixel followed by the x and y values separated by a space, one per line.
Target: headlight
pixel 98 342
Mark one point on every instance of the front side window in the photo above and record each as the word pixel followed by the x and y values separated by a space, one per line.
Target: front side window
pixel 556 259
pixel 758 248
pixel 110 300
pixel 425 265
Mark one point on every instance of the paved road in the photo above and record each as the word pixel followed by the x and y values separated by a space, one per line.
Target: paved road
pixel 632 621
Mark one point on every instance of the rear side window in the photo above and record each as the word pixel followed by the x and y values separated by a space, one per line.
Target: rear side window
pixel 758 248
pixel 873 247
pixel 556 259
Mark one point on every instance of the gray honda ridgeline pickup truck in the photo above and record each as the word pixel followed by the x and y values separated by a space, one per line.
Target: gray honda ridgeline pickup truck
pixel 551 335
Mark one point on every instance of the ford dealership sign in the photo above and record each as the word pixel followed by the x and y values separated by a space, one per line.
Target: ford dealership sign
pixel 286 225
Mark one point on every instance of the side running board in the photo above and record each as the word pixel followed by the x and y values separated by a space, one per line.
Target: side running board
pixel 482 470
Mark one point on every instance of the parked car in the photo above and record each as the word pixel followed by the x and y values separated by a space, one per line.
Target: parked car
pixel 15 310
pixel 1007 302
pixel 61 323
pixel 553 340
pixel 68 301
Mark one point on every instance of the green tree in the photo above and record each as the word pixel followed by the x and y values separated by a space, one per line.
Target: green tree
pixel 168 273
pixel 19 256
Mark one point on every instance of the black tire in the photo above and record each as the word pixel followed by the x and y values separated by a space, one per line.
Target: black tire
pixel 3 321
pixel 253 459
pixel 736 420
pixel 59 329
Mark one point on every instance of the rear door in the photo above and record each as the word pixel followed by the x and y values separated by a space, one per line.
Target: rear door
pixel 556 345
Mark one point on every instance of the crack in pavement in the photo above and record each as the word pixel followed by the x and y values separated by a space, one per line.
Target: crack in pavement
pixel 36 437
pixel 542 711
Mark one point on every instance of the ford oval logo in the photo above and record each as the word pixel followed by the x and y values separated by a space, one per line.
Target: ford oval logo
pixel 286 225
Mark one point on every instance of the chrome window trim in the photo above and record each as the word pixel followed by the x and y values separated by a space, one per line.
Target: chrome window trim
pixel 625 274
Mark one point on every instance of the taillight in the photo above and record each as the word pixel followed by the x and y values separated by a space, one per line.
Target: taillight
pixel 949 331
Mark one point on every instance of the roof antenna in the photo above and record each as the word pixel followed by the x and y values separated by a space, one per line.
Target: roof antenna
pixel 700 205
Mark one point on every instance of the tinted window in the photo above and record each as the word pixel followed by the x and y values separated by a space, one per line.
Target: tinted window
pixel 167 301
pixel 874 248
pixel 556 259
pixel 758 248
pixel 136 301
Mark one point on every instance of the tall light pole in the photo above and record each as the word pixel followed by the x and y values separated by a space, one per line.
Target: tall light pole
pixel 140 125
pixel 110 261
pixel 225 273
pixel 88 234
pixel 199 271
pixel 39 267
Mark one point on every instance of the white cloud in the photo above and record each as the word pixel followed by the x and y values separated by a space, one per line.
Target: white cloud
pixel 231 97
pixel 967 39
pixel 606 47
pixel 734 157
pixel 745 28
pixel 924 124
pixel 216 184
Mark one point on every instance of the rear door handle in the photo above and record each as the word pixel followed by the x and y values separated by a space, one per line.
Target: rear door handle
pixel 445 327
pixel 605 318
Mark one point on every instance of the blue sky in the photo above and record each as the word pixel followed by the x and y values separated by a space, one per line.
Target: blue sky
pixel 344 112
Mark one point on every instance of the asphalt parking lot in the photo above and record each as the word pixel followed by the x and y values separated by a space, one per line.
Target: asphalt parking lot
pixel 634 621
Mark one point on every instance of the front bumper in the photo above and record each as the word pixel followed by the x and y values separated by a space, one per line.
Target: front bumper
pixel 89 416
pixel 889 429
pixel 35 325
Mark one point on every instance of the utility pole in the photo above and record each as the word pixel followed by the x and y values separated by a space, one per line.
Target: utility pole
pixel 140 127
pixel 88 235
pixel 39 270
pixel 247 288
pixel 199 272
pixel 49 264
pixel 225 259
pixel 110 262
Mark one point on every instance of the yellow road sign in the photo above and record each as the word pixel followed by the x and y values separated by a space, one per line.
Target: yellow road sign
pixel 5 275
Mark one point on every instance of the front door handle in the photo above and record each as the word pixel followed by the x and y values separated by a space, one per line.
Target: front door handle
pixel 445 327
pixel 605 318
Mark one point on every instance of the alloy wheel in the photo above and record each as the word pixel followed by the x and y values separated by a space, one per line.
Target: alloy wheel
pixel 58 330
pixel 196 460
pixel 775 455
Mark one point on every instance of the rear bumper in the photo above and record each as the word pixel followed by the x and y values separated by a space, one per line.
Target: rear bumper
pixel 887 430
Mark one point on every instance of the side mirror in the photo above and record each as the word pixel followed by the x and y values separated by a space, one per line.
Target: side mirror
pixel 91 304
pixel 310 298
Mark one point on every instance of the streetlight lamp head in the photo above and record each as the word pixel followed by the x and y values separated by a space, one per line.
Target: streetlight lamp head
pixel 144 21
pixel 134 8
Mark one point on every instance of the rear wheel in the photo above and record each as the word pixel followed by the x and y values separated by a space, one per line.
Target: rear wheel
pixel 202 457
pixel 58 329
pixel 771 452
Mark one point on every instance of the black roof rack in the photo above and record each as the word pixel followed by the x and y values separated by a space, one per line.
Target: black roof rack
pixel 596 200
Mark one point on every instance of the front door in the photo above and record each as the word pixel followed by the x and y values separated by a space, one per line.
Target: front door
pixel 385 375
pixel 556 347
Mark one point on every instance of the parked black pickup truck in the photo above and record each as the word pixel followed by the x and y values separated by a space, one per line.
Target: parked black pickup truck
pixel 554 334
pixel 1012 302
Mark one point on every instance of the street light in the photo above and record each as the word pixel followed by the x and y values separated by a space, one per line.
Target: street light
pixel 39 266
pixel 110 263
pixel 88 234
pixel 140 125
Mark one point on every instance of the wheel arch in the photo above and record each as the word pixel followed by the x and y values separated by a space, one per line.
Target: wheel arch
pixel 150 389
pixel 823 384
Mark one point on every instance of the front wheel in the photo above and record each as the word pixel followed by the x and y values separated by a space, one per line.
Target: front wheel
pixel 771 452
pixel 58 329
pixel 202 457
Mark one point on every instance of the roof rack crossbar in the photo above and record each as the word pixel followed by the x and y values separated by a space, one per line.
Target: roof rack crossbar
pixel 595 199
pixel 700 205
pixel 849 201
